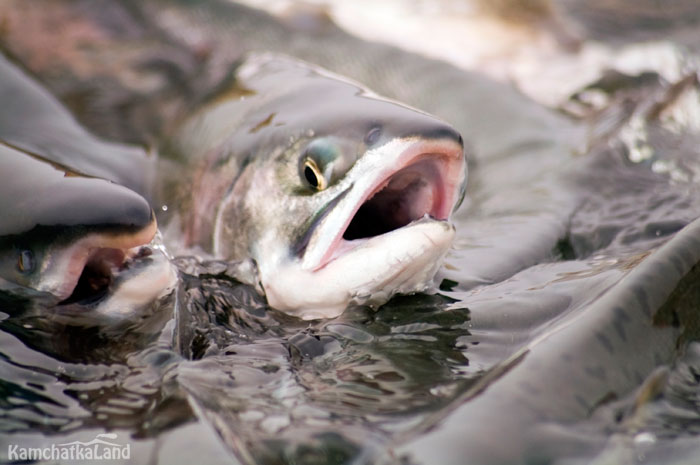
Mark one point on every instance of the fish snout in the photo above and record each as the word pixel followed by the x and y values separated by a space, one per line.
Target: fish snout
pixel 84 234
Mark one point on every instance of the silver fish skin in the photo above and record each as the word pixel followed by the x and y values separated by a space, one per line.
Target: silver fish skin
pixel 339 195
pixel 71 238
pixel 35 121
pixel 55 221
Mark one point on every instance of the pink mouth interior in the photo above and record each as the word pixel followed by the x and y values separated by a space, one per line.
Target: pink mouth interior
pixel 95 261
pixel 99 270
pixel 427 184
pixel 408 195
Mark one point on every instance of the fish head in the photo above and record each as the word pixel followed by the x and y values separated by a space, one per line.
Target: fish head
pixel 66 239
pixel 341 196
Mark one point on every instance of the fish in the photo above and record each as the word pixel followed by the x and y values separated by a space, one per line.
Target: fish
pixel 303 266
pixel 68 237
pixel 339 195
pixel 56 222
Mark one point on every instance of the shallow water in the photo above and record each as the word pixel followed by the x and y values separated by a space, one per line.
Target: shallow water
pixel 517 358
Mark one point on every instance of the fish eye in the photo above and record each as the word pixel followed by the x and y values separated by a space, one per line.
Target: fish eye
pixel 25 261
pixel 318 161
pixel 313 174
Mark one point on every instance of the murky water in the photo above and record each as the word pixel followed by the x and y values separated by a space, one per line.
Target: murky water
pixel 583 353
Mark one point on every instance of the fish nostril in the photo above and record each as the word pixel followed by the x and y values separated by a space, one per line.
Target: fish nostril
pixel 373 135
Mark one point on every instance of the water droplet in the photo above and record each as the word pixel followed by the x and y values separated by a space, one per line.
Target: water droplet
pixel 644 439
pixel 164 208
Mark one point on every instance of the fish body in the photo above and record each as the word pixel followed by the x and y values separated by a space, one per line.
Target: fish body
pixel 69 238
pixel 55 221
pixel 339 195
pixel 35 121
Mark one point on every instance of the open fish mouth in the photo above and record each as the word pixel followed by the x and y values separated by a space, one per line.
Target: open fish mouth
pixel 94 262
pixel 384 231
pixel 424 182
pixel 406 196
pixel 101 269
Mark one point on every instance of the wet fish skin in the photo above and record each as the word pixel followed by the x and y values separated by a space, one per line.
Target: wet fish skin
pixel 48 211
pixel 458 436
pixel 34 121
pixel 62 213
pixel 251 198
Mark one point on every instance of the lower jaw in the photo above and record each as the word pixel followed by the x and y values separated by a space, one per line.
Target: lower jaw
pixel 130 293
pixel 403 261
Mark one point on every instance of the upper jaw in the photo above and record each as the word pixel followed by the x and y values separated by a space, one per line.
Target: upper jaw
pixel 392 186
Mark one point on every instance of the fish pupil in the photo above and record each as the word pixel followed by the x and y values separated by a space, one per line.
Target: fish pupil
pixel 310 176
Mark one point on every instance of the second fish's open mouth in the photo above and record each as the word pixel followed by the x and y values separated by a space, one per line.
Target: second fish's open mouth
pixel 89 266
pixel 100 270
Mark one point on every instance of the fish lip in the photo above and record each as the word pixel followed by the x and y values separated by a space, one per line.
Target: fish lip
pixel 447 181
pixel 113 251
